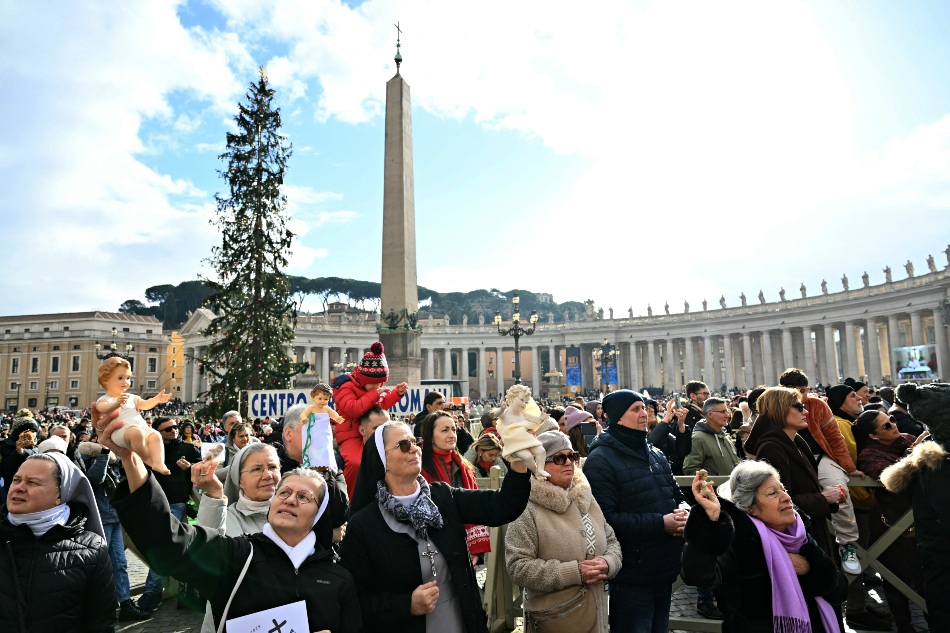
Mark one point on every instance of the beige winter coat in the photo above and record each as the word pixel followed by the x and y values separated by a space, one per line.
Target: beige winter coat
pixel 545 544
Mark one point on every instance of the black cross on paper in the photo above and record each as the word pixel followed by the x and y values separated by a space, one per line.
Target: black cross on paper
pixel 276 628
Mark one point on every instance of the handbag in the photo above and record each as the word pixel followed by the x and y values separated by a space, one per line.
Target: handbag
pixel 207 626
pixel 574 612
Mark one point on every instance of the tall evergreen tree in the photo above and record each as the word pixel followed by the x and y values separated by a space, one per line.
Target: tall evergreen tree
pixel 252 297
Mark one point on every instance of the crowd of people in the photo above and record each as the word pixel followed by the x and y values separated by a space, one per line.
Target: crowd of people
pixel 378 524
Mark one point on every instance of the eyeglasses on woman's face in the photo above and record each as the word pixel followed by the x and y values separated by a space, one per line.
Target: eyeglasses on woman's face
pixel 260 469
pixel 406 445
pixel 302 497
pixel 798 406
pixel 561 458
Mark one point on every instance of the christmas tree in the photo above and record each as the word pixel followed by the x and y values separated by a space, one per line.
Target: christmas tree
pixel 251 297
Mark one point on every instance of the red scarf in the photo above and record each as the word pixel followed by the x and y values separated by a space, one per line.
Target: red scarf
pixel 475 535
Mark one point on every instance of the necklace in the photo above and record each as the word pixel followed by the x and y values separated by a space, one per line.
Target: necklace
pixel 430 554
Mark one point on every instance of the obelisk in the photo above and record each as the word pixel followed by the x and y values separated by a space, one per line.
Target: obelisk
pixel 399 293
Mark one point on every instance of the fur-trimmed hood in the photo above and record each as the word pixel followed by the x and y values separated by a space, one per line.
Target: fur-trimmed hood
pixel 897 478
pixel 558 499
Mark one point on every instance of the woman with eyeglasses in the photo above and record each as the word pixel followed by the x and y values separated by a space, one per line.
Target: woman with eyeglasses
pixel 775 439
pixel 286 557
pixel 881 444
pixel 405 542
pixel 561 549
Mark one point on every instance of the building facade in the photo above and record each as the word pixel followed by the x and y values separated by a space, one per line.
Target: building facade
pixel 863 333
pixel 49 360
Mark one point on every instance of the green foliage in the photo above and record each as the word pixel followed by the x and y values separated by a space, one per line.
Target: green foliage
pixel 252 297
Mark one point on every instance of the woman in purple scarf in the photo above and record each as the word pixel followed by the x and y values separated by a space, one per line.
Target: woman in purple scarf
pixel 751 548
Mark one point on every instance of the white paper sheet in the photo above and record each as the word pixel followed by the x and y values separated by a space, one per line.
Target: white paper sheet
pixel 288 618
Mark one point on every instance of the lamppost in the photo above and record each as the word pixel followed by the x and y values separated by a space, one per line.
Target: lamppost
pixel 607 355
pixel 17 386
pixel 49 383
pixel 112 349
pixel 516 331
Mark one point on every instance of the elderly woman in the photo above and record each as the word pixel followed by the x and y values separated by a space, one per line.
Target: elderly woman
pixel 55 571
pixel 752 549
pixel 286 557
pixel 880 444
pixel 405 542
pixel 563 575
pixel 485 453
pixel 240 506
pixel 774 439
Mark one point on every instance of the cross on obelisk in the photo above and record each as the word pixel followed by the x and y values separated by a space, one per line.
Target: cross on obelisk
pixel 399 293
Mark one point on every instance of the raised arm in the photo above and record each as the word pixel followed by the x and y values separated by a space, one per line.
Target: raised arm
pixel 161 398
pixel 496 507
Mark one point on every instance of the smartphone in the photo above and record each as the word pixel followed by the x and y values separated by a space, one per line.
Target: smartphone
pixel 679 400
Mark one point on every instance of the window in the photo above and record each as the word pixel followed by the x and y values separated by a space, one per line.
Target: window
pixel 77 346
pixel 174 363
pixel 16 349
pixel 151 384
pixel 14 386
pixel 173 375
pixel 132 364
pixel 74 384
pixel 174 350
pixel 53 384
pixel 153 350
pixel 148 331
pixel 14 365
pixel 152 365
pixel 6 331
pixel 65 328
pixel 75 363
pixel 56 348
pixel 33 386
pixel 34 365
pixel 54 364
pixel 26 329
pixel 31 403
pixel 46 329
pixel 125 329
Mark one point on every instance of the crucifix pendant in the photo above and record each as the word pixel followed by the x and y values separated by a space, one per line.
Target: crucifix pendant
pixel 430 554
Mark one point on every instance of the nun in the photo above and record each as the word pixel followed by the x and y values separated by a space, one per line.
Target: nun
pixel 405 543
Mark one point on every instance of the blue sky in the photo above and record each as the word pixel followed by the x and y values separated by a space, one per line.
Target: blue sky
pixel 627 152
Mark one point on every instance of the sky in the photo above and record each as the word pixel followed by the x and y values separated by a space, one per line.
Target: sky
pixel 632 153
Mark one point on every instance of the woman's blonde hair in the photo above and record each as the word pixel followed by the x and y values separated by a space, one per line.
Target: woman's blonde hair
pixel 775 403
pixel 108 366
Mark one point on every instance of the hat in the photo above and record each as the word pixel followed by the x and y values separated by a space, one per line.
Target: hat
pixel 372 469
pixel 617 402
pixel 74 487
pixel 52 443
pixel 22 421
pixel 554 442
pixel 373 368
pixel 836 396
pixel 574 417
pixel 930 404
pixel 855 384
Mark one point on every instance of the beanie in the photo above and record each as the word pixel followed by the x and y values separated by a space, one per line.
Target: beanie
pixel 617 402
pixel 573 417
pixel 22 421
pixel 930 404
pixel 836 396
pixel 373 368
pixel 554 442
pixel 52 443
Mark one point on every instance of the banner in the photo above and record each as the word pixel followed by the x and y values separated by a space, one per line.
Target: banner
pixel 608 366
pixel 274 402
pixel 573 366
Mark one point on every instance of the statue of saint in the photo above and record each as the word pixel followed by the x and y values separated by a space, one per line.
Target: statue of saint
pixel 802 290
pixel 909 267
pixel 611 312
pixel 630 312
pixel 844 282
pixel 761 297
pixel 464 319
pixel 866 280
pixel 931 264
pixel 722 301
pixel 781 294
pixel 741 298
pixel 649 310
pixel 481 318
pixel 550 317
pixel 887 275
pixel 824 287
pixel 685 306
pixel 600 314
pixel 704 305
pixel 667 308
pixel 567 316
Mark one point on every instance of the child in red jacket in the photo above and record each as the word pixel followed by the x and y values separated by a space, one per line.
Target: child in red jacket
pixel 354 394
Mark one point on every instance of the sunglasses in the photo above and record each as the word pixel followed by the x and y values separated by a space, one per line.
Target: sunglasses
pixel 887 425
pixel 799 406
pixel 168 428
pixel 407 445
pixel 561 458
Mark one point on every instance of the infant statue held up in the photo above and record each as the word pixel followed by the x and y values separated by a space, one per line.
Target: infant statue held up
pixel 115 376
pixel 517 425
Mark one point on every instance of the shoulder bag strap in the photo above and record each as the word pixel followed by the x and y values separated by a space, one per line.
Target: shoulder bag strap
pixel 227 607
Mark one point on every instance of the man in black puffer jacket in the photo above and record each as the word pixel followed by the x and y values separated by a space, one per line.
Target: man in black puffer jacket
pixel 55 572
pixel 634 486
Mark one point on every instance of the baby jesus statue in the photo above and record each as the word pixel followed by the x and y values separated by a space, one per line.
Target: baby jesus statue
pixel 517 425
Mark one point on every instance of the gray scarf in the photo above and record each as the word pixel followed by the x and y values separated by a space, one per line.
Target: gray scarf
pixel 421 515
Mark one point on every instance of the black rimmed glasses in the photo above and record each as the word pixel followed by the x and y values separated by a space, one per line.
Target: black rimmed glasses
pixel 561 458
pixel 303 498
pixel 407 445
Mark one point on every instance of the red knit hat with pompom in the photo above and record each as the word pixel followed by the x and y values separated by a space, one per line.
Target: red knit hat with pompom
pixel 373 368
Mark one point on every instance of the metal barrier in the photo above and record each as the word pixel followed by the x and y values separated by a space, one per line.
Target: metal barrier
pixel 502 600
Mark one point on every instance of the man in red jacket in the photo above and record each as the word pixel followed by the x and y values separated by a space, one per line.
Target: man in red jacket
pixel 354 394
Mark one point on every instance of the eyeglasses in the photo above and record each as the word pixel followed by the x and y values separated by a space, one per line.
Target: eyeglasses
pixel 407 445
pixel 799 406
pixel 723 411
pixel 561 458
pixel 258 471
pixel 887 426
pixel 702 393
pixel 303 498
pixel 173 427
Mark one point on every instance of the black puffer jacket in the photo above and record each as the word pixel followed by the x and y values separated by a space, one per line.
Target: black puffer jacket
pixel 727 556
pixel 634 486
pixel 63 578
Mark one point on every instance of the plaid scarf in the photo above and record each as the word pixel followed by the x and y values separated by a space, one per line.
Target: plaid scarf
pixel 421 515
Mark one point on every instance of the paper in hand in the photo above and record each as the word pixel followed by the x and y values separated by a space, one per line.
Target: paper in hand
pixel 288 618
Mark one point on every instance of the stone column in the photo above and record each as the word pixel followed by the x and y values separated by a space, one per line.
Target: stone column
pixel 811 366
pixel 430 363
pixel 852 365
pixel 940 341
pixel 730 377
pixel 634 378
pixel 691 373
pixel 708 357
pixel 499 371
pixel 748 368
pixel 651 365
pixel 916 328
pixel 788 353
pixel 190 369
pixel 482 373
pixel 768 364
pixel 463 370
pixel 831 357
pixel 535 371
pixel 447 363
pixel 873 363
pixel 893 342
pixel 671 367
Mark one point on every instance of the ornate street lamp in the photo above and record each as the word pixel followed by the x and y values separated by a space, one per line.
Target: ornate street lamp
pixel 17 386
pixel 516 331
pixel 112 349
pixel 343 366
pixel 607 355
